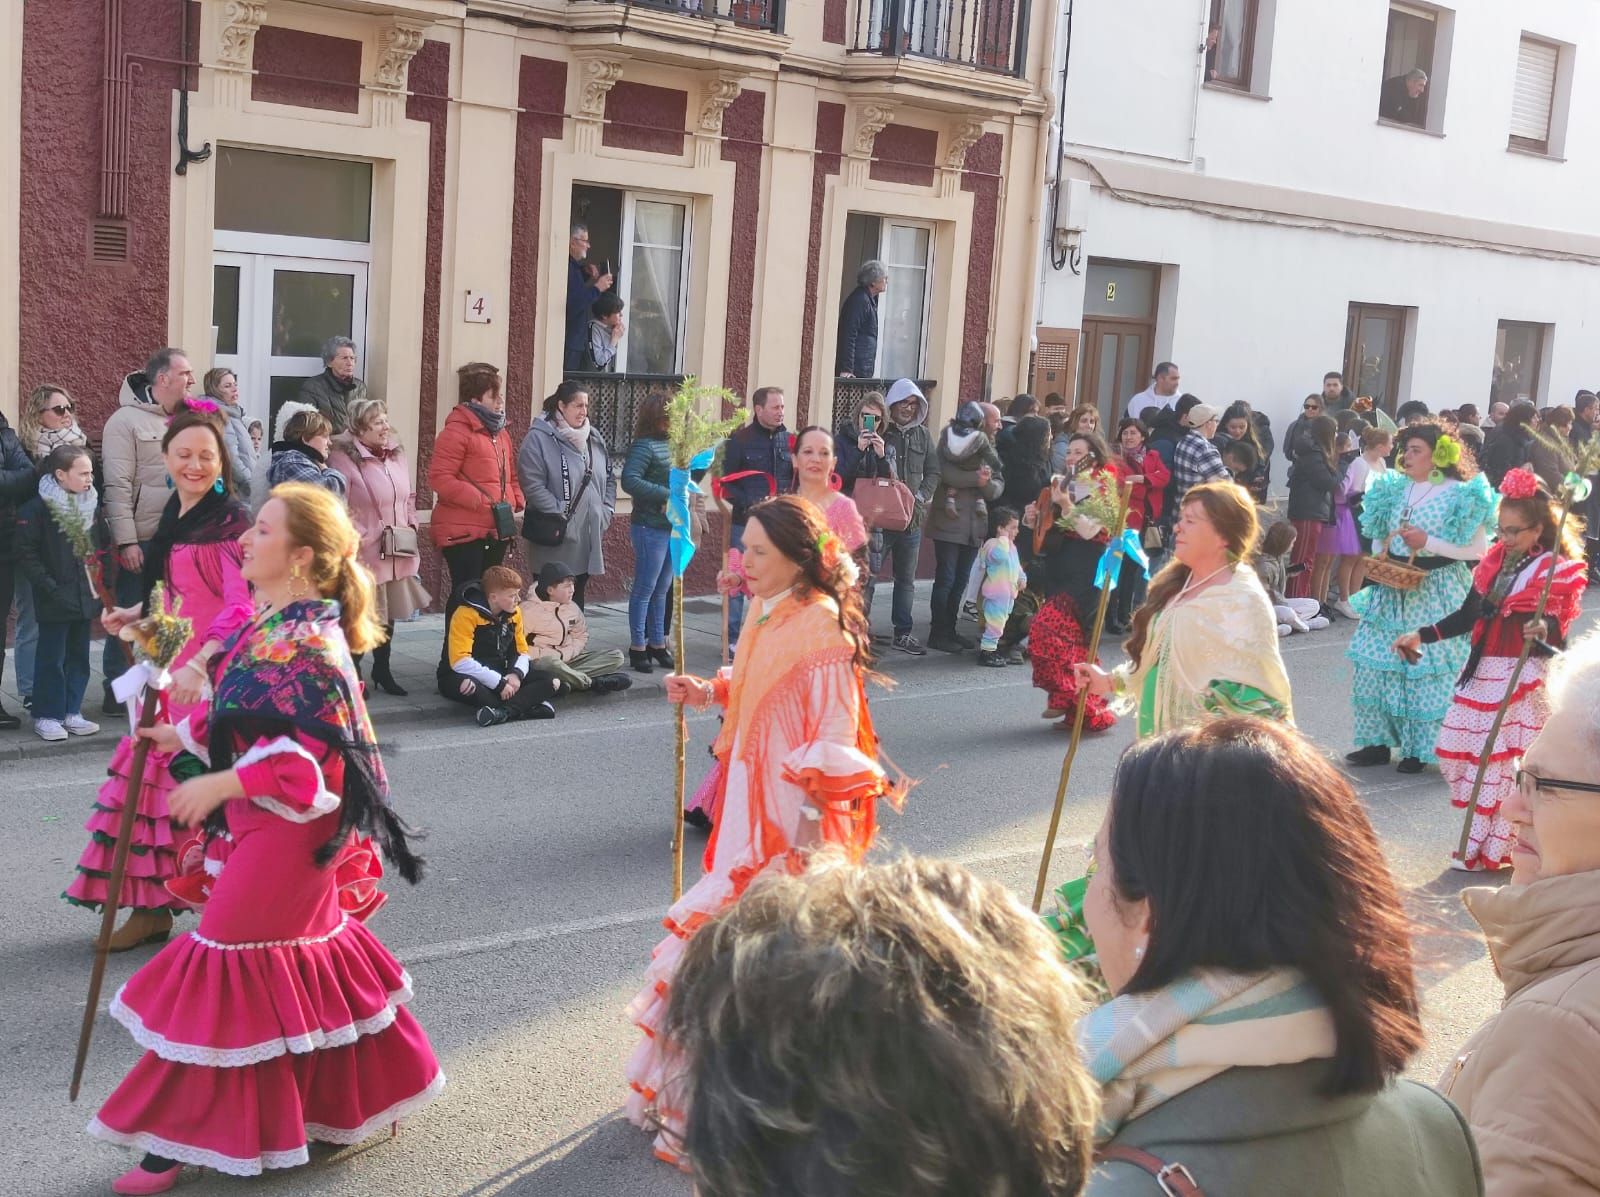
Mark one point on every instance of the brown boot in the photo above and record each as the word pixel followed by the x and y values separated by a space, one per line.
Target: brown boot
pixel 142 927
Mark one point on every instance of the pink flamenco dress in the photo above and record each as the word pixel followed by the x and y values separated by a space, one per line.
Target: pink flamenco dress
pixel 797 767
pixel 281 1018
pixel 204 577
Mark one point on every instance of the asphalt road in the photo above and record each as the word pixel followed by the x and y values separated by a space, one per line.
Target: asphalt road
pixel 549 846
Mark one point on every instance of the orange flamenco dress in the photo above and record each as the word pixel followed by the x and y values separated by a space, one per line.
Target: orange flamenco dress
pixel 799 768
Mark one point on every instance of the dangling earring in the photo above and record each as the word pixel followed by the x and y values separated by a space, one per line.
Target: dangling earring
pixel 169 481
pixel 297 582
pixel 218 485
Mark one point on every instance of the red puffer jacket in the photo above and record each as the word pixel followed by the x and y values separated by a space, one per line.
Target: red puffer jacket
pixel 469 470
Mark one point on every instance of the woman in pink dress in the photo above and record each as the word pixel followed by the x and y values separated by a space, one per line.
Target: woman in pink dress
pixel 816 482
pixel 195 551
pixel 281 1018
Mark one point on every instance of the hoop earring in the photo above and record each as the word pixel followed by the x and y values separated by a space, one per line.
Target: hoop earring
pixel 218 485
pixel 297 583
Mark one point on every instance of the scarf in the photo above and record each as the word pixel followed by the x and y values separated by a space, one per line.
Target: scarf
pixel 1146 1048
pixel 72 513
pixel 48 439
pixel 342 384
pixel 492 421
pixel 214 519
pixel 300 447
pixel 578 438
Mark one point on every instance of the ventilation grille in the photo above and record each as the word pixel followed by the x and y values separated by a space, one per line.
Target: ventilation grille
pixel 108 241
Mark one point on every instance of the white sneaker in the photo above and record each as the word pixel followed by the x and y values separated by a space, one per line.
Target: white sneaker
pixel 49 729
pixel 1297 622
pixel 1316 623
pixel 1345 609
pixel 1283 630
pixel 77 725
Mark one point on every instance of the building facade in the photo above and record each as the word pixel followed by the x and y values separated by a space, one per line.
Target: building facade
pixel 244 178
pixel 1248 188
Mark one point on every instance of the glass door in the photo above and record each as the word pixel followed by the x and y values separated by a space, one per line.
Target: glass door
pixel 655 234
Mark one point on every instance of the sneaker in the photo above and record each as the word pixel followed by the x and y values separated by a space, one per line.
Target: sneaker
pixel 1316 623
pixel 970 610
pixel 492 716
pixel 1283 630
pixel 1372 754
pixel 77 725
pixel 992 659
pixel 27 702
pixel 542 710
pixel 1344 608
pixel 907 643
pixel 49 729
pixel 1297 623
pixel 610 683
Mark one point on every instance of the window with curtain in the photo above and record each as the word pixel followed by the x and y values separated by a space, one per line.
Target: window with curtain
pixel 1533 96
pixel 1230 42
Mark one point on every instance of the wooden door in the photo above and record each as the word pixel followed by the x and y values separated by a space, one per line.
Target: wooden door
pixel 1116 366
pixel 1055 363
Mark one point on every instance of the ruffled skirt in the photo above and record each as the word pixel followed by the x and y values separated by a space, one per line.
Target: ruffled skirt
pixel 152 857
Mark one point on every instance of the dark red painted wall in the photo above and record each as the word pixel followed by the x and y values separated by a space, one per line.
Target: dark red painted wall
pixel 85 325
pixel 642 117
pixel 981 177
pixel 833 22
pixel 311 70
pixel 905 154
pixel 429 84
pixel 742 127
pixel 825 162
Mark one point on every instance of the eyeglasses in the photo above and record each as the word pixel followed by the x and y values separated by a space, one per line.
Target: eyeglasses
pixel 1502 531
pixel 60 410
pixel 1529 783
pixel 1313 407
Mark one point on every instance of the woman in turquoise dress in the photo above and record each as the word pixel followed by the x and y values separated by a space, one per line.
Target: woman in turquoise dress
pixel 1438 507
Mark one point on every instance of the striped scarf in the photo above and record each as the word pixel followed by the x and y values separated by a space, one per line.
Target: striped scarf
pixel 1145 1048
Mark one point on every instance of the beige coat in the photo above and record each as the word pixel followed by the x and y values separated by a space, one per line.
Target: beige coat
pixel 1529 1080
pixel 136 487
pixel 555 630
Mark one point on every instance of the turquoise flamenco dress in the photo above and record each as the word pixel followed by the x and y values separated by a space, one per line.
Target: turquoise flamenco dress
pixel 1396 703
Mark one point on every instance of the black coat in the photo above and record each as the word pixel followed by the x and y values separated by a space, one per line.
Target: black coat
pixel 850 462
pixel 18 481
pixel 1503 451
pixel 61 590
pixel 858 335
pixel 1312 483
pixel 754 448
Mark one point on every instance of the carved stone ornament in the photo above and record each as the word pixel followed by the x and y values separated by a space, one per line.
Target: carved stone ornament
pixel 600 75
pixel 871 119
pixel 398 43
pixel 240 20
pixel 720 91
pixel 964 137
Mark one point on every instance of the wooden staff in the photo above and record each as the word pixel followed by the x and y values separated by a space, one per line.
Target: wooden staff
pixel 1511 686
pixel 682 735
pixel 727 546
pixel 119 866
pixel 1123 499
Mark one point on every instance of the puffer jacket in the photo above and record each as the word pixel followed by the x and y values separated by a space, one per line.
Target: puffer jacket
pixel 958 473
pixel 469 470
pixel 1312 483
pixel 909 448
pixel 62 593
pixel 295 462
pixel 332 397
pixel 380 495
pixel 554 629
pixel 136 488
pixel 241 451
pixel 1526 1079
pixel 646 475
pixel 18 482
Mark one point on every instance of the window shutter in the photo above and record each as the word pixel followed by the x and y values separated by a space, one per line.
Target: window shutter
pixel 1536 84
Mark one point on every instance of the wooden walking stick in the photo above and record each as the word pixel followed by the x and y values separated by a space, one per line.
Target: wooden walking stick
pixel 1115 548
pixel 158 638
pixel 727 546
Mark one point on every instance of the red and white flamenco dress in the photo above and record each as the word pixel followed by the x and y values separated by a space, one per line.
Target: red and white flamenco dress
pixel 281 1018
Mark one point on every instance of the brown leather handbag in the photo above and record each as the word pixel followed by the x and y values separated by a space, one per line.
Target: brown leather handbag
pixel 885 503
pixel 1175 1180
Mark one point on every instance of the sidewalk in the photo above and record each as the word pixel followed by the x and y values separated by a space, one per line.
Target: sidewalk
pixel 416 657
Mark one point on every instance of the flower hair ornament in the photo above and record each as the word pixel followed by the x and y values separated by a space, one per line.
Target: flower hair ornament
pixel 202 403
pixel 1446 453
pixel 1519 483
pixel 835 560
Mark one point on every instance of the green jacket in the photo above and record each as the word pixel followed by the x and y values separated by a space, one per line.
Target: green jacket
pixel 645 475
pixel 1266 1132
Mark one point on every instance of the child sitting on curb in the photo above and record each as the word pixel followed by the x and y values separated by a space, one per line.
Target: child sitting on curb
pixel 1294 614
pixel 487 659
pixel 559 636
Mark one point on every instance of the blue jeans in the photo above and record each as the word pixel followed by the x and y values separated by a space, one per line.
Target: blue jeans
pixel 952 566
pixel 901 548
pixel 735 601
pixel 129 591
pixel 652 578
pixel 61 670
pixel 27 636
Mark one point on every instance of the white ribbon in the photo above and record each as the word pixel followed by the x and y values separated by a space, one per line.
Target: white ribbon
pixel 129 689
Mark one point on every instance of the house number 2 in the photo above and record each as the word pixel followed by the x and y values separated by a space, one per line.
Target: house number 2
pixel 1111 292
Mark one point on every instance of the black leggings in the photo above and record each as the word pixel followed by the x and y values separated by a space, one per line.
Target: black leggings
pixel 466 562
pixel 536 688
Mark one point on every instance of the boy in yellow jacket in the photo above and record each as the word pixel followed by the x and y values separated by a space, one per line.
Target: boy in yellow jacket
pixel 487 659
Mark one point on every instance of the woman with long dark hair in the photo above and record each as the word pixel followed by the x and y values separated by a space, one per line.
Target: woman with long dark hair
pixel 798 757
pixel 646 477
pixel 1143 468
pixel 1025 465
pixel 282 1018
pixel 195 553
pixel 1313 482
pixel 1264 999
pixel 1238 424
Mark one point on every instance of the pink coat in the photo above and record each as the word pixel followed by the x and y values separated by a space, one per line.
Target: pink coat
pixel 380 494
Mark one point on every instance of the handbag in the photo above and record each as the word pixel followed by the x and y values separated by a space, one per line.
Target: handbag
pixel 397 541
pixel 885 503
pixel 1175 1180
pixel 502 518
pixel 1154 538
pixel 548 529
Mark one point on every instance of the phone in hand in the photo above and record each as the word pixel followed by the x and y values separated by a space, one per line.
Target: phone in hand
pixel 1299 567
pixel 869 422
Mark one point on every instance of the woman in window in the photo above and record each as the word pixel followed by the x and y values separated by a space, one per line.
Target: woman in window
pixel 565 471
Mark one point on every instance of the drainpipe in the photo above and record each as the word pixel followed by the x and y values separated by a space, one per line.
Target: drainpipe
pixel 1199 77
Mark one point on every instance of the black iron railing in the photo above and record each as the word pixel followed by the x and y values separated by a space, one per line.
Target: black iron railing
pixel 752 14
pixel 991 35
pixel 849 392
pixel 614 401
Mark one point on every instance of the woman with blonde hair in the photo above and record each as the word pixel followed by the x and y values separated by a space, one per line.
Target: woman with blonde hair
pixel 222 385
pixel 1205 642
pixel 282 1018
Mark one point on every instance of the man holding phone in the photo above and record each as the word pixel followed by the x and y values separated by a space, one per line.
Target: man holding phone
pixel 581 294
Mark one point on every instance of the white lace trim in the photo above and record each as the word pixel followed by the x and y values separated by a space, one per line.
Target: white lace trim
pixel 401 1109
pixel 306 941
pixel 323 801
pixel 256 1053
pixel 190 744
pixel 199 1157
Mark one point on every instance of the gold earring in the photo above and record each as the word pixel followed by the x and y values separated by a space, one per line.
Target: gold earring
pixel 297 582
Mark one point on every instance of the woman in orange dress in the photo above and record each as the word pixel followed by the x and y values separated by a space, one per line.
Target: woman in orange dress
pixel 798 754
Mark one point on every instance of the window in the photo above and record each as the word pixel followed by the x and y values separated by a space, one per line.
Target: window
pixel 1230 42
pixel 905 247
pixel 1408 66
pixel 642 239
pixel 293 195
pixel 1374 342
pixel 1518 362
pixel 1533 97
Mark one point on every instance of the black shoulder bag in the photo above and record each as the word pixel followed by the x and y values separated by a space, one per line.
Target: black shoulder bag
pixel 549 528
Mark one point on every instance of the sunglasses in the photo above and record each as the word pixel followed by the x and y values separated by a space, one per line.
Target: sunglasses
pixel 59 410
pixel 1313 407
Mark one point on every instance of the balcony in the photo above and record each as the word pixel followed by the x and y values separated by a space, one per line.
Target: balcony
pixel 614 401
pixel 765 15
pixel 849 392
pixel 988 35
